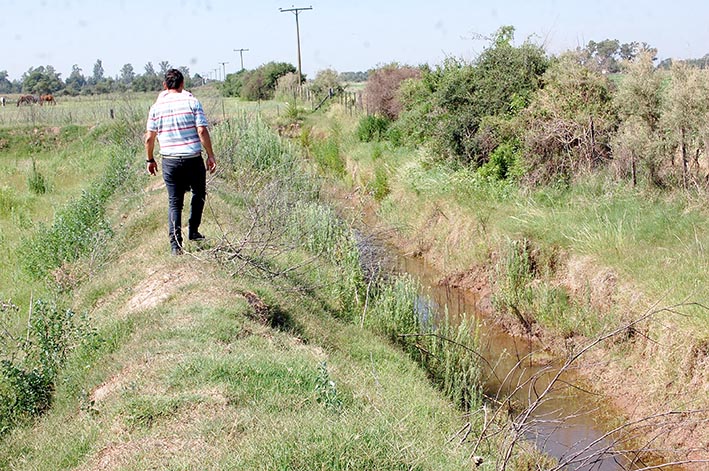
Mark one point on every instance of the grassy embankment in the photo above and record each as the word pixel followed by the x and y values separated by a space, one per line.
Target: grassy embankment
pixel 566 263
pixel 221 359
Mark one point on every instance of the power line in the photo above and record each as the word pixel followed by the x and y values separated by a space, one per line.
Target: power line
pixel 296 11
pixel 241 55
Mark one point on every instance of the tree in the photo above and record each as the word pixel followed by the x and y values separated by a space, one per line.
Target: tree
pixel 148 82
pixel 149 69
pixel 287 86
pixel 326 80
pixel 446 111
pixel 638 100
pixel 257 84
pixel 98 73
pixel 273 70
pixel 254 86
pixel 5 84
pixel 76 81
pixel 568 124
pixel 381 92
pixel 354 76
pixel 127 74
pixel 164 67
pixel 684 114
pixel 189 83
pixel 231 86
pixel 41 80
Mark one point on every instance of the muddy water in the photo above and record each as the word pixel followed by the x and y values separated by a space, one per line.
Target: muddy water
pixel 570 424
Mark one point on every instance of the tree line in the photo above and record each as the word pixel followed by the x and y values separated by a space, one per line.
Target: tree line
pixel 257 84
pixel 45 79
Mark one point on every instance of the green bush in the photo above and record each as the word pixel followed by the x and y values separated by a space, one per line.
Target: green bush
pixel 78 228
pixel 36 182
pixel 504 163
pixel 380 185
pixel 30 363
pixel 372 128
pixel 446 107
pixel 328 156
pixel 568 124
pixel 257 84
pixel 516 272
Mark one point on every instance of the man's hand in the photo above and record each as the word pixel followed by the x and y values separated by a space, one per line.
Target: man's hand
pixel 150 137
pixel 211 164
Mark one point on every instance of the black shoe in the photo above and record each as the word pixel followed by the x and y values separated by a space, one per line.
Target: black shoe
pixel 176 251
pixel 197 237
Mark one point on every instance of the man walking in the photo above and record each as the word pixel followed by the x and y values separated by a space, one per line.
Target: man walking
pixel 177 121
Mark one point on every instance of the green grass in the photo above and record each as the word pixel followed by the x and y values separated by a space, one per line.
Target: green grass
pixel 600 253
pixel 657 242
pixel 183 374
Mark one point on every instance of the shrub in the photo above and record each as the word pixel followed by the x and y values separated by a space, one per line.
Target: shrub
pixel 36 182
pixel 326 80
pixel 257 84
pixel 638 143
pixel 381 92
pixel 287 87
pixel 569 122
pixel 78 228
pixel 446 108
pixel 504 163
pixel 683 120
pixel 233 83
pixel 30 364
pixel 372 128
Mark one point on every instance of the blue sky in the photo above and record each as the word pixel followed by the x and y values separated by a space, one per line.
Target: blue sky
pixel 346 35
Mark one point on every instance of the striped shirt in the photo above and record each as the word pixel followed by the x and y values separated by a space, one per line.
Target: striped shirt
pixel 175 117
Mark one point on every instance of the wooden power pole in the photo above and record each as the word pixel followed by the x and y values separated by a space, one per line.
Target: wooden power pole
pixel 296 11
pixel 241 56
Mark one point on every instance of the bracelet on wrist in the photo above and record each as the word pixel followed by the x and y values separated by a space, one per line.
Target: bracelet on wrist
pixel 150 160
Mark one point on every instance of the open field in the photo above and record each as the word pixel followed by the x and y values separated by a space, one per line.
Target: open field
pixel 93 110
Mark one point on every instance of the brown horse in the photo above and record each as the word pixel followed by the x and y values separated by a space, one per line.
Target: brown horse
pixel 48 98
pixel 26 100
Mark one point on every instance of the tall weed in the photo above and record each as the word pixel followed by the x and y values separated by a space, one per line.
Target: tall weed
pixel 372 128
pixel 445 350
pixel 390 307
pixel 30 363
pixel 328 155
pixel 80 227
pixel 516 272
pixel 36 181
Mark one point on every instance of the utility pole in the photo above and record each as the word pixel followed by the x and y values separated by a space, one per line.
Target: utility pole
pixel 216 73
pixel 223 70
pixel 241 55
pixel 297 30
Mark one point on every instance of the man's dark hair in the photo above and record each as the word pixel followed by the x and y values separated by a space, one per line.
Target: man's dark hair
pixel 173 79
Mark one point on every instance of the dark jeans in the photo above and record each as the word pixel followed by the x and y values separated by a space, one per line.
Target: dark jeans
pixel 181 175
